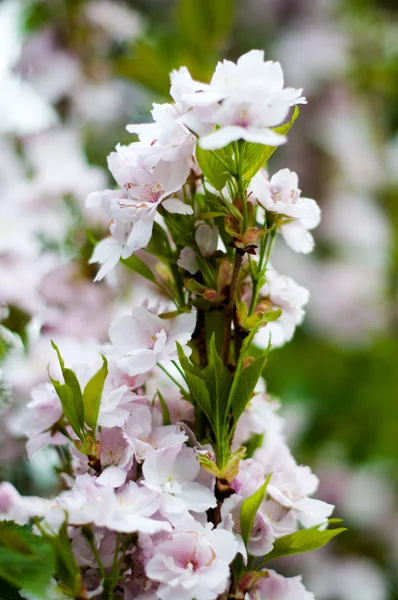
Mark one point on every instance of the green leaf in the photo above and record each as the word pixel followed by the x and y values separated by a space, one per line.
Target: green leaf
pixel 203 25
pixel 70 396
pixel 159 244
pixel 199 392
pixel 249 510
pixel 66 568
pixel 149 66
pixel 213 168
pixel 92 395
pixel 256 155
pixel 246 383
pixel 26 560
pixel 181 228
pixel 301 541
pixel 218 382
pixel 136 264
pixel 165 409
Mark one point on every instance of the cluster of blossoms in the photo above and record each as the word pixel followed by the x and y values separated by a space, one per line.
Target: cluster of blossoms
pixel 185 490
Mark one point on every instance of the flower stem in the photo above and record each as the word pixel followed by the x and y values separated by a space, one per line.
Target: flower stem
pixel 231 305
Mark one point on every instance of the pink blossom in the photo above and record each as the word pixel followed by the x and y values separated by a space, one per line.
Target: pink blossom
pixel 172 473
pixel 192 565
pixel 142 339
pixel 277 587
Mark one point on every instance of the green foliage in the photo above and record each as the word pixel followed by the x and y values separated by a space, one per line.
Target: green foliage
pixel 245 384
pixel 213 165
pixel 26 560
pixel 159 244
pixel 165 409
pixel 249 510
pixel 301 541
pixel 181 228
pixel 204 24
pixel 136 264
pixel 80 409
pixel 221 396
pixel 66 569
pixel 92 395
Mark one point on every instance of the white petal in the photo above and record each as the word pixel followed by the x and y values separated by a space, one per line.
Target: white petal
pixel 263 136
pixel 188 261
pixel 297 237
pixel 221 137
pixel 174 205
pixel 112 477
pixel 141 232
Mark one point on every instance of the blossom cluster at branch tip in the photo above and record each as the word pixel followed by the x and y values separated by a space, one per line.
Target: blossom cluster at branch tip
pixel 243 101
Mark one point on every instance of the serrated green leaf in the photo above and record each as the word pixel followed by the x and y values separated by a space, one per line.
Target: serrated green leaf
pixel 92 395
pixel 301 541
pixel 213 168
pixel 181 228
pixel 218 382
pixel 249 510
pixel 136 264
pixel 26 560
pixel 200 394
pixel 256 155
pixel 70 396
pixel 247 381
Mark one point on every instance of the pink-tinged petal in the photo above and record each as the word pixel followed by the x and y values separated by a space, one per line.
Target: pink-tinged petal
pixel 197 497
pixel 159 465
pixel 138 362
pixel 175 206
pixel 224 545
pixel 112 477
pixel 137 523
pixel 260 189
pixel 125 335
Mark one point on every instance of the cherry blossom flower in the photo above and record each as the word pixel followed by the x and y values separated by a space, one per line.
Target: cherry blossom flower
pixel 135 506
pixel 44 411
pixel 283 292
pixel 166 138
pixel 192 565
pixel 245 100
pixel 21 509
pixel 281 195
pixel 145 434
pixel 172 473
pixel 142 339
pixel 277 587
pixel 132 209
